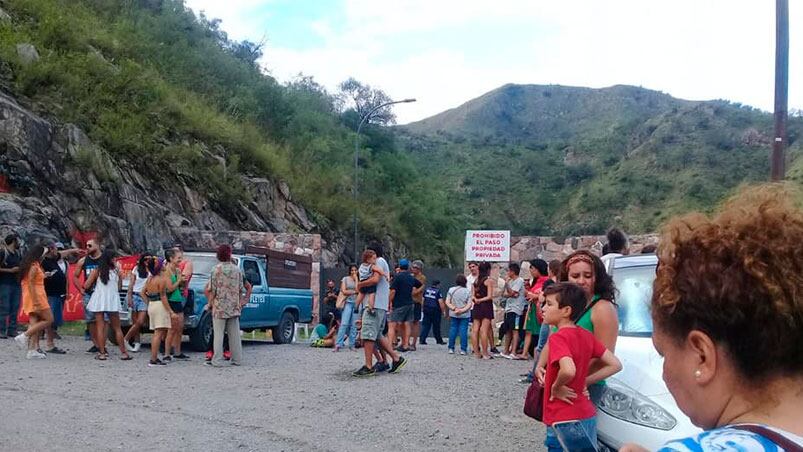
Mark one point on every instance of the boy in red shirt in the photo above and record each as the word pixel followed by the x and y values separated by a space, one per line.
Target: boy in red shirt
pixel 571 350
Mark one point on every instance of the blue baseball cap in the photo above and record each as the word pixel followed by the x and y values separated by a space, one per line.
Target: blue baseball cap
pixel 404 264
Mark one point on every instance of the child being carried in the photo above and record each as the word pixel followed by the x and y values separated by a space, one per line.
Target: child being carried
pixel 365 272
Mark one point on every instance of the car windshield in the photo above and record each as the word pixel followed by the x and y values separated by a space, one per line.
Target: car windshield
pixel 634 285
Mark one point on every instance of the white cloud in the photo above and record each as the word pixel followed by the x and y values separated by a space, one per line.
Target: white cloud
pixel 688 48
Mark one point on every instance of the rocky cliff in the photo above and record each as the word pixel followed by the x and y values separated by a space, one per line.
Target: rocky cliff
pixel 58 184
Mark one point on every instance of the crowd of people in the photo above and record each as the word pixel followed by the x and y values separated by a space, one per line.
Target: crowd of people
pixel 727 309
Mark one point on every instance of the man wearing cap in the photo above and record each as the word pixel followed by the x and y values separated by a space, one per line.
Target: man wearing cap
pixel 401 302
pixel 10 289
pixel 55 268
pixel 418 301
pixel 433 311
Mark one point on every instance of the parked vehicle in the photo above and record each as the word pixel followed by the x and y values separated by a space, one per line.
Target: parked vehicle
pixel 636 405
pixel 280 298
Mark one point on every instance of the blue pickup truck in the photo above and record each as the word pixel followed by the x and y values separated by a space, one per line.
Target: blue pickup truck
pixel 281 295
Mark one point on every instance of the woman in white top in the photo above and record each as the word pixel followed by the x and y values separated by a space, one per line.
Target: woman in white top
pixel 138 306
pixel 105 300
pixel 458 300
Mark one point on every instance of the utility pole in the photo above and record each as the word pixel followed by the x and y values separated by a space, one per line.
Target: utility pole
pixel 781 88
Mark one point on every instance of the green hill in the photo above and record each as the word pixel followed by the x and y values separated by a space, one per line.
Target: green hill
pixel 565 160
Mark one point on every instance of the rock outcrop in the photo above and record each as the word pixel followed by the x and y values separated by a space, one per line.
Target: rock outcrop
pixel 60 185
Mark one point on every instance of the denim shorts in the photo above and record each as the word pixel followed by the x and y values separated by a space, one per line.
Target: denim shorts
pixel 56 303
pixel 585 429
pixel 139 303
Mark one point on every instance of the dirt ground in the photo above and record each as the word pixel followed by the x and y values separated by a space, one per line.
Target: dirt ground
pixel 284 398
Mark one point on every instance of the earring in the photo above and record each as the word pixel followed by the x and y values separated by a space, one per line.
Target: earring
pixel 698 373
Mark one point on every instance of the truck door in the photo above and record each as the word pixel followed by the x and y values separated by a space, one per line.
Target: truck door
pixel 254 312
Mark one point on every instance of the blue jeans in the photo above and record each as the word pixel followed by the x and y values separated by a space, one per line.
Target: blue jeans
pixel 348 323
pixel 456 326
pixel 575 438
pixel 9 307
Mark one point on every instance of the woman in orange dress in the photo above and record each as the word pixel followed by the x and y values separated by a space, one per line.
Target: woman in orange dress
pixel 34 301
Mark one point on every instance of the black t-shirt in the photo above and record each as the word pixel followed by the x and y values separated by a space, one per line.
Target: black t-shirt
pixel 403 284
pixel 9 260
pixel 55 285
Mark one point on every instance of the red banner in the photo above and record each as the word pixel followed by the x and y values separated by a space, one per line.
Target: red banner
pixel 73 305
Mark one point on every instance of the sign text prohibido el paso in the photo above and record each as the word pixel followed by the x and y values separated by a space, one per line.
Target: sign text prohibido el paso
pixel 488 246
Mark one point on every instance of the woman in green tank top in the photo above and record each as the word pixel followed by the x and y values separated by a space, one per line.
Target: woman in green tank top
pixel 600 318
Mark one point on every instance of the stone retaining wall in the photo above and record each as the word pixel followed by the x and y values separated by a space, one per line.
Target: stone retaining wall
pixel 548 248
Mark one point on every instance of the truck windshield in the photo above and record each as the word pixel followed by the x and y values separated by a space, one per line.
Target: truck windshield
pixel 202 264
pixel 634 285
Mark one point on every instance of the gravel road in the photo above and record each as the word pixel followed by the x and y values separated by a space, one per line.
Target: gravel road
pixel 284 398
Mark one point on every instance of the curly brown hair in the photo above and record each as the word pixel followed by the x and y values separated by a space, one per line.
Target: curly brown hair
pixel 738 277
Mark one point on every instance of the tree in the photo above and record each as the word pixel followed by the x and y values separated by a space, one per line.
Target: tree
pixel 362 98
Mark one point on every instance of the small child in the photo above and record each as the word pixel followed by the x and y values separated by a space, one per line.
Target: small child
pixel 571 350
pixel 366 270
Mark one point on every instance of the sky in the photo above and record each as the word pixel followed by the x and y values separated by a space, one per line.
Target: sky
pixel 447 52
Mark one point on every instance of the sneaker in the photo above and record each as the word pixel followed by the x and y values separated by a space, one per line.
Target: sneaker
pixel 526 380
pixel 35 354
pixel 167 359
pixel 463 352
pixel 56 336
pixel 381 367
pixel 209 355
pixel 182 356
pixel 136 347
pixel 363 372
pixel 56 351
pixel 128 346
pixel 451 352
pixel 21 340
pixel 156 363
pixel 495 351
pixel 441 343
pixel 3 336
pixel 93 349
pixel 505 355
pixel 397 365
pixel 227 355
pixel 422 342
pixel 87 336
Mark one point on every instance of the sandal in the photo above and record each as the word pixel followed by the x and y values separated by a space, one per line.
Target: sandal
pixel 100 357
pixel 126 357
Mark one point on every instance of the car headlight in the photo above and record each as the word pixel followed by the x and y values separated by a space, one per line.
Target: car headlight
pixel 625 403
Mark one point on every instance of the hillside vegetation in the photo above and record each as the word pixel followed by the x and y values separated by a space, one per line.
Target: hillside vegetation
pixel 170 94
pixel 564 160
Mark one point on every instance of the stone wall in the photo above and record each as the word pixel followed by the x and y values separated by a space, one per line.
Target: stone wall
pixel 302 244
pixel 525 248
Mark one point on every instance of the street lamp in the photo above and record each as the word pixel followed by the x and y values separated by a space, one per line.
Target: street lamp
pixel 357 161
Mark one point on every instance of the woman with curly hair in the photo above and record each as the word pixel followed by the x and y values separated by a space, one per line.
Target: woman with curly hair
pixel 600 316
pixel 727 311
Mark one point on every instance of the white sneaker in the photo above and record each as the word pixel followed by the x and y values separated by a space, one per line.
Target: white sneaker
pixel 137 346
pixel 451 352
pixel 33 354
pixel 462 353
pixel 503 355
pixel 21 340
pixel 128 346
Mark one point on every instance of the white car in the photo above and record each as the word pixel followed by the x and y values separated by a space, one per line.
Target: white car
pixel 636 406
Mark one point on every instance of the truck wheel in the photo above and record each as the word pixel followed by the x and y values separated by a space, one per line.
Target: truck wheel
pixel 113 339
pixel 283 333
pixel 201 336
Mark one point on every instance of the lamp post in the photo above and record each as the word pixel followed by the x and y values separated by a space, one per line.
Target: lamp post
pixel 357 161
pixel 781 88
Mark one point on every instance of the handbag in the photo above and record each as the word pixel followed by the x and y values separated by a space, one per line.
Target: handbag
pixel 534 401
pixel 341 300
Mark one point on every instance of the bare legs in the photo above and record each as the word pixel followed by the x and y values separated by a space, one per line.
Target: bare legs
pixel 139 322
pixel 156 341
pixel 480 334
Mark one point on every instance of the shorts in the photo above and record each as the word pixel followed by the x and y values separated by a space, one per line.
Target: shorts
pixel 368 289
pixel 513 321
pixel 402 314
pixel 417 312
pixel 56 303
pixel 372 324
pixel 89 316
pixel 483 311
pixel 158 316
pixel 176 306
pixel 139 303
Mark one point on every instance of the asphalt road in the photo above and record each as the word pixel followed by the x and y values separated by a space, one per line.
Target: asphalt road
pixel 284 398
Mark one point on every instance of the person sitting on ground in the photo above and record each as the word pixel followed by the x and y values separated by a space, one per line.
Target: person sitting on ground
pixel 324 335
pixel 568 372
pixel 727 311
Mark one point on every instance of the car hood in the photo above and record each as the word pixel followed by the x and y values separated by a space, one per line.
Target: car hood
pixel 642 366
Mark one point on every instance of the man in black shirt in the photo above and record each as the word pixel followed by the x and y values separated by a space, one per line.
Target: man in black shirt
pixel 401 302
pixel 10 290
pixel 55 268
